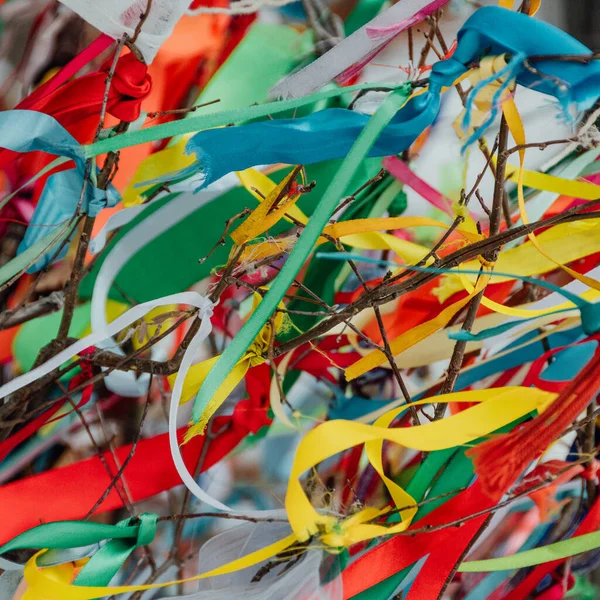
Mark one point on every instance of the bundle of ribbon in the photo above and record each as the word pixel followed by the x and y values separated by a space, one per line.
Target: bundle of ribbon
pixel 509 309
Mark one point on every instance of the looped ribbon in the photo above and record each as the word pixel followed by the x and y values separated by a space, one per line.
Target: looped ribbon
pixel 253 357
pixel 495 408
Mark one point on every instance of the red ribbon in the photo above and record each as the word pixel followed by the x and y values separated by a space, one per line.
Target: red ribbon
pixel 445 548
pixel 83 97
pixel 45 418
pixel 35 500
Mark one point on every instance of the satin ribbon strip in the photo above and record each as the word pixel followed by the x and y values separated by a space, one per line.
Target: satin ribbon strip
pixel 123 251
pixel 99 45
pixel 218 119
pixel 536 556
pixel 193 380
pixel 496 408
pixel 401 171
pixel 356 48
pixel 515 124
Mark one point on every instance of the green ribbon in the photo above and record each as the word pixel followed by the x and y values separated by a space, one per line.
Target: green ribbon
pixel 457 473
pixel 123 538
pixel 237 115
pixel 536 556
pixel 304 246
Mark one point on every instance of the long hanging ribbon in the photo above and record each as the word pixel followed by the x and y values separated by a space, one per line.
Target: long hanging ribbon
pixel 95 339
pixel 124 250
pixel 526 260
pixel 497 408
pixel 219 119
pixel 543 554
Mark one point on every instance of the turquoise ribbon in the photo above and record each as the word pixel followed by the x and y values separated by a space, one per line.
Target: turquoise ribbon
pixel 31 131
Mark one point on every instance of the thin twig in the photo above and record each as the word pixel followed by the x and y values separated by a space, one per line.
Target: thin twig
pixel 116 478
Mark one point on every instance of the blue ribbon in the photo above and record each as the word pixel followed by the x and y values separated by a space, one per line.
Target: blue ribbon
pixel 329 134
pixel 31 131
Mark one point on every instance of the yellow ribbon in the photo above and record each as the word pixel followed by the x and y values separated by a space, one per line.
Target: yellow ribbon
pixel 517 130
pixel 253 357
pixel 169 160
pixel 416 334
pixel 495 409
pixel 260 186
pixel 364 233
pixel 569 241
pixel 534 6
pixel 269 212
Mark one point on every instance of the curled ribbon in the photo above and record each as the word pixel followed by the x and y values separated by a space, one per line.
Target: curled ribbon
pixel 495 408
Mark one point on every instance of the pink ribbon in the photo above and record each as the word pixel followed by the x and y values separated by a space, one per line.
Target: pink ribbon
pixel 403 173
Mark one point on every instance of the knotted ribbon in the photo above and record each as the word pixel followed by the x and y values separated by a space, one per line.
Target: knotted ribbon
pixel 121 540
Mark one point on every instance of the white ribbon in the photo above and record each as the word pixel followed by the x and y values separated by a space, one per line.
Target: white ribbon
pixel 120 382
pixel 355 48
pixel 116 17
